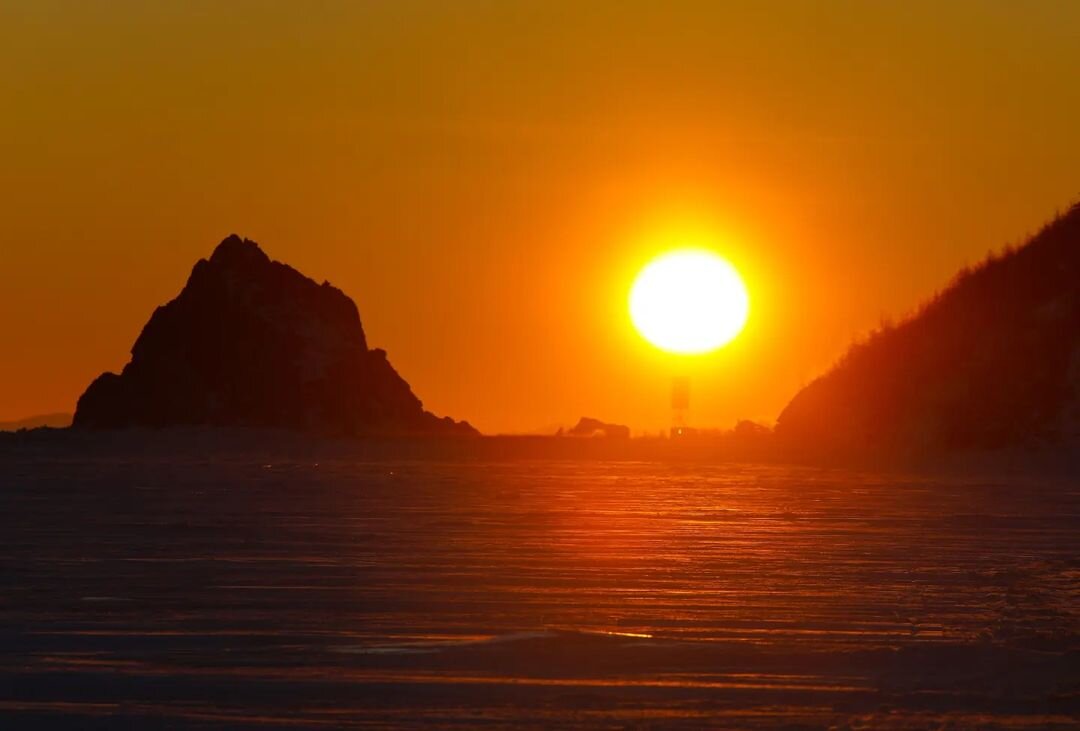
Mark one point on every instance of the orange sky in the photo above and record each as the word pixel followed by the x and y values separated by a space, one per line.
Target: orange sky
pixel 483 178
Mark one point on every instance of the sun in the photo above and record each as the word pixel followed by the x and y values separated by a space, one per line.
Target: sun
pixel 689 301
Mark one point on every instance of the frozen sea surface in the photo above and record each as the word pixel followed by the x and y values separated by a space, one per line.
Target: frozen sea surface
pixel 150 592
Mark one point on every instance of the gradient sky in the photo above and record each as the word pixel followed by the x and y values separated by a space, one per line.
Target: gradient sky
pixel 484 178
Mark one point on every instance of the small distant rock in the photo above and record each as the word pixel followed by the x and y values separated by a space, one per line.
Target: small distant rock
pixel 54 421
pixel 589 427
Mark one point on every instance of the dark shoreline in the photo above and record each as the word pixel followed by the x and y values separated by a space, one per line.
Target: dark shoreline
pixel 229 443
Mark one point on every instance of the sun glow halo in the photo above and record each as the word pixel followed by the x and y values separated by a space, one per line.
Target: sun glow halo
pixel 689 301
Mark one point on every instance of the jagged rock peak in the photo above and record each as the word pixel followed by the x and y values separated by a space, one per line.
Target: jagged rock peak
pixel 236 250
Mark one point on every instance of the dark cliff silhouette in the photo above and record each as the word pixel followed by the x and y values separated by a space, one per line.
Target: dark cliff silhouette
pixel 991 362
pixel 252 342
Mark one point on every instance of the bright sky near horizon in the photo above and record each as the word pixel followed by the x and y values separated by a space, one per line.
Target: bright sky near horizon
pixel 484 179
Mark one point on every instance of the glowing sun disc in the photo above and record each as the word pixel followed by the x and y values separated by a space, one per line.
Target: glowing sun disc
pixel 689 301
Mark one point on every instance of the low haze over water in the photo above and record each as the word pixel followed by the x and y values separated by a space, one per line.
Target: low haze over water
pixel 243 592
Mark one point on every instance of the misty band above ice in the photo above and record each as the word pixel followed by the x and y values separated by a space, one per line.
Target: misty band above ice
pixel 991 363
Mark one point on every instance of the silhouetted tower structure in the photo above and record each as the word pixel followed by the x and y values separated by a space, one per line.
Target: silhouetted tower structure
pixel 680 405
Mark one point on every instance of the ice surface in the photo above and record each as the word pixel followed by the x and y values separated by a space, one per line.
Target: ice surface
pixel 316 591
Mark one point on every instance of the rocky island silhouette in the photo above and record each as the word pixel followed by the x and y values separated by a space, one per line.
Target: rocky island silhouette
pixel 253 342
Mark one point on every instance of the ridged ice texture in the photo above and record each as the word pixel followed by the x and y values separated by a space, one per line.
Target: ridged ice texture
pixel 233 593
